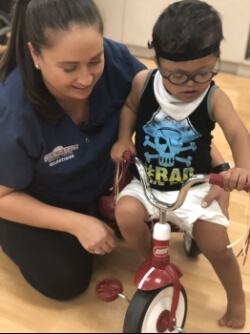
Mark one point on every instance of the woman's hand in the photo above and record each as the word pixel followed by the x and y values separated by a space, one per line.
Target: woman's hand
pixel 220 195
pixel 95 236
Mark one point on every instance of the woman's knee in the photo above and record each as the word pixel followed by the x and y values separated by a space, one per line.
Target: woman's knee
pixel 60 284
pixel 54 263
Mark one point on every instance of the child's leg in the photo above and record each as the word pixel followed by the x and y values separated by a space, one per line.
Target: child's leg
pixel 212 240
pixel 131 217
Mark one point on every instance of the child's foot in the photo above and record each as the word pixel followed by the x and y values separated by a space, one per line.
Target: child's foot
pixel 234 317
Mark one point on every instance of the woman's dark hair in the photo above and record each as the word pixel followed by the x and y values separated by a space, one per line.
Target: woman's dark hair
pixel 31 20
pixel 187 26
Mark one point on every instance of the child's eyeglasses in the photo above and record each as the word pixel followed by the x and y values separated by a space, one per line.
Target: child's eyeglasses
pixel 180 78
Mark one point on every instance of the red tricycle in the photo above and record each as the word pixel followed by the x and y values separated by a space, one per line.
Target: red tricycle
pixel 160 303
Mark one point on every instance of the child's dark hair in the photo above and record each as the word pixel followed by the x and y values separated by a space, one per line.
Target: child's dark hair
pixel 185 28
pixel 31 20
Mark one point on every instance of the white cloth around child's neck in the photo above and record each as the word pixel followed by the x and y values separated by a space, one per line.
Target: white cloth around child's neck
pixel 171 105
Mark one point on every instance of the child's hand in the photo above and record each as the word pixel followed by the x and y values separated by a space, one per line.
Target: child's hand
pixel 220 195
pixel 237 178
pixel 119 148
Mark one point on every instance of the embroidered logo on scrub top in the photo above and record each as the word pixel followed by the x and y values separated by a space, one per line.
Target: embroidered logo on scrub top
pixel 60 154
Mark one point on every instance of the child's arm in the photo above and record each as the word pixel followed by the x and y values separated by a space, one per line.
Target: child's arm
pixel 237 137
pixel 216 192
pixel 217 158
pixel 128 119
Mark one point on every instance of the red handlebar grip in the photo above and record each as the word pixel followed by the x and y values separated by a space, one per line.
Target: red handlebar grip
pixel 127 155
pixel 216 179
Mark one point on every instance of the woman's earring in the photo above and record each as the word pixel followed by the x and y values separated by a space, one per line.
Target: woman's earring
pixel 150 44
pixel 37 66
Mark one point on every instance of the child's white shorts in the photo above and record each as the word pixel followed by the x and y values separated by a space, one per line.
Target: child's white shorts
pixel 185 216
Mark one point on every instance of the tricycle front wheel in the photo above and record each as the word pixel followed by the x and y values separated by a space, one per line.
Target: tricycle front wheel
pixel 149 311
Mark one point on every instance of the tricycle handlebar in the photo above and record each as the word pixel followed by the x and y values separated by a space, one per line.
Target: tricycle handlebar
pixel 195 179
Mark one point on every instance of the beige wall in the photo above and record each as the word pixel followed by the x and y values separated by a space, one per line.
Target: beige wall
pixel 131 22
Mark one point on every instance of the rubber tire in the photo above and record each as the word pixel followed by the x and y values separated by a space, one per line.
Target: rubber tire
pixel 190 246
pixel 139 313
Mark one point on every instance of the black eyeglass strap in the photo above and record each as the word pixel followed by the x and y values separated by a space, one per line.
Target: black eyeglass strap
pixel 190 54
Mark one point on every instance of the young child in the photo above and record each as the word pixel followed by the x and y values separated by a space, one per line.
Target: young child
pixel 173 110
